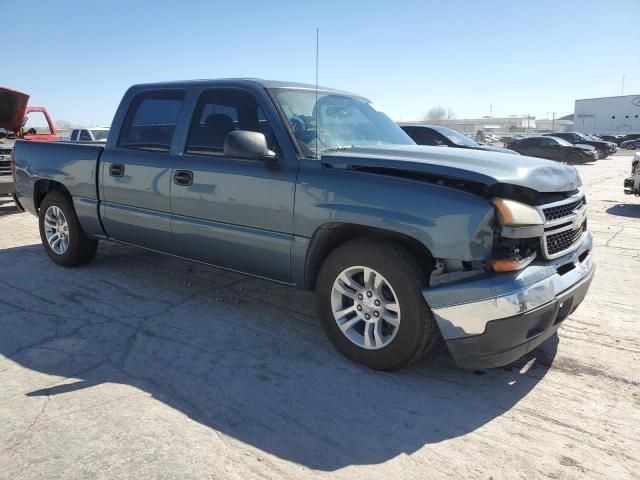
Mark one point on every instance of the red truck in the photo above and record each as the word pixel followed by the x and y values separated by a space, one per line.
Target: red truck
pixel 19 121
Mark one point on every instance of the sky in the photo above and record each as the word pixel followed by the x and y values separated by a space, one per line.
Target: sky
pixel 504 57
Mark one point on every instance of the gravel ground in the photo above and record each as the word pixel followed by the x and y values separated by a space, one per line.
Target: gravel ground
pixel 144 366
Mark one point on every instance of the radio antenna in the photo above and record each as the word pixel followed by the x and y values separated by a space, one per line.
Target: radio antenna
pixel 316 107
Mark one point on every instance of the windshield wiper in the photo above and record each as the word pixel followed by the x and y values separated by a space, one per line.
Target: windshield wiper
pixel 336 149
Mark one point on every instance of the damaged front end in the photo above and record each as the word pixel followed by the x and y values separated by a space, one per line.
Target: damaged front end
pixel 539 272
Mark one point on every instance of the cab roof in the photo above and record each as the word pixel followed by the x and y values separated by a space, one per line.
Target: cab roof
pixel 268 84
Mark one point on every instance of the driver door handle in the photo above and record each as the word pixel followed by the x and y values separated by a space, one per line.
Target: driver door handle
pixel 116 170
pixel 183 177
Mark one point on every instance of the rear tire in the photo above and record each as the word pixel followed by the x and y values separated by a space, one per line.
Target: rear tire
pixel 61 234
pixel 395 281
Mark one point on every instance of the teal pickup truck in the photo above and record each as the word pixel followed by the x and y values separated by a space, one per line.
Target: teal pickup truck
pixel 316 188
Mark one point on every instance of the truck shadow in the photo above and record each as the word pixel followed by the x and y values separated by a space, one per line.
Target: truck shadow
pixel 631 210
pixel 242 356
pixel 7 207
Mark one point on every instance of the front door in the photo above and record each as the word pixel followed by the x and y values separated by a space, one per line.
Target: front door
pixel 231 212
pixel 136 173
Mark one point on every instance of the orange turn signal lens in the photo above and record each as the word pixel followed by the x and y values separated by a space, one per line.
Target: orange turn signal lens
pixel 511 264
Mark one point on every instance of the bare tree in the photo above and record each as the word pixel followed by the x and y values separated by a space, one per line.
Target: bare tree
pixel 439 113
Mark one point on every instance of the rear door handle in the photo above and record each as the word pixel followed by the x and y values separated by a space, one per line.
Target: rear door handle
pixel 116 170
pixel 183 177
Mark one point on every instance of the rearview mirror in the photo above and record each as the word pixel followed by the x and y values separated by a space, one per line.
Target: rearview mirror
pixel 248 145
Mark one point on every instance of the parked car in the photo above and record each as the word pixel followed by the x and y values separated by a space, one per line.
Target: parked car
pixel 631 144
pixel 91 134
pixel 19 121
pixel 604 148
pixel 632 183
pixel 554 148
pixel 317 189
pixel 438 136
pixel 617 139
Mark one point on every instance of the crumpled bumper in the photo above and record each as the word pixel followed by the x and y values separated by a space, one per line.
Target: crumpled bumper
pixel 6 184
pixel 493 320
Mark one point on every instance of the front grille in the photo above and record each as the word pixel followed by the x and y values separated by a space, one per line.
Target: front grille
pixel 5 151
pixel 564 225
pixel 562 211
pixel 559 242
pixel 5 167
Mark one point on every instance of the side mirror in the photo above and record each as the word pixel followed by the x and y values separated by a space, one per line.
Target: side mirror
pixel 248 145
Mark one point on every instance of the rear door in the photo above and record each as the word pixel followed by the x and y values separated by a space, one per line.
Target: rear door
pixel 526 146
pixel 232 212
pixel 136 172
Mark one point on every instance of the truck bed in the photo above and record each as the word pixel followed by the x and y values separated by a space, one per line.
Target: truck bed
pixel 71 164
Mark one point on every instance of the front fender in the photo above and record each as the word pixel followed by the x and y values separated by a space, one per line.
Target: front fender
pixel 450 223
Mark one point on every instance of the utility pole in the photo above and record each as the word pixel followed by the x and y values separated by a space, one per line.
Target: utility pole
pixel 622 92
pixel 491 110
pixel 553 123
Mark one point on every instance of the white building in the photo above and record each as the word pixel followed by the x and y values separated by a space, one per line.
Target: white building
pixel 498 125
pixel 608 114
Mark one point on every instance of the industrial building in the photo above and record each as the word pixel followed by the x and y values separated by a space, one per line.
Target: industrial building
pixel 499 125
pixel 619 114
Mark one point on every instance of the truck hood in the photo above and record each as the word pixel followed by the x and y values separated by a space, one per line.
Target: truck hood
pixel 12 107
pixel 487 168
pixel 491 148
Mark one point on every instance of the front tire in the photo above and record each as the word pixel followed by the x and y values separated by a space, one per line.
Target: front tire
pixel 61 234
pixel 631 146
pixel 371 307
pixel 574 158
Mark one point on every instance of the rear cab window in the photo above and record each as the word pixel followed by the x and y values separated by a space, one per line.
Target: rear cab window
pixel 151 120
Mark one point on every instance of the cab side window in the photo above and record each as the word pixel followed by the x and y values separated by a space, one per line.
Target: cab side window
pixel 74 136
pixel 151 120
pixel 84 136
pixel 423 136
pixel 221 111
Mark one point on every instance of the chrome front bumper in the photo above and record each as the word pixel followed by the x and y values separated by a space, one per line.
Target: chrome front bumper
pixel 464 309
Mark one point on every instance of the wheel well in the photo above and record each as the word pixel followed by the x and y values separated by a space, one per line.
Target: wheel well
pixel 329 237
pixel 43 187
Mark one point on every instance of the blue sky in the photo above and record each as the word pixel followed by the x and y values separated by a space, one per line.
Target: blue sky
pixel 534 57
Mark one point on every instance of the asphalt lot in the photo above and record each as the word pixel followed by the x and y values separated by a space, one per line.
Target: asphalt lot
pixel 144 366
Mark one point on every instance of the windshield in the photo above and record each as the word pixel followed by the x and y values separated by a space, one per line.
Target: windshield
pixel 343 121
pixel 456 137
pixel 100 134
pixel 583 137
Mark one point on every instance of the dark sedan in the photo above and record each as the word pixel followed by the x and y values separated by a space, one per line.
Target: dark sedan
pixel 445 137
pixel 604 148
pixel 554 148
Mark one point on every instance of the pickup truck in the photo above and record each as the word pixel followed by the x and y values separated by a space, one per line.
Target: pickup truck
pixel 19 121
pixel 316 188
pixel 92 134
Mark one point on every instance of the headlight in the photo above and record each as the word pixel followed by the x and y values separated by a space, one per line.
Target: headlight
pixel 516 242
pixel 516 214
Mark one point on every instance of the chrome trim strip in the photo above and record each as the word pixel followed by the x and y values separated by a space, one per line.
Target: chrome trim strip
pixel 522 232
pixel 462 320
